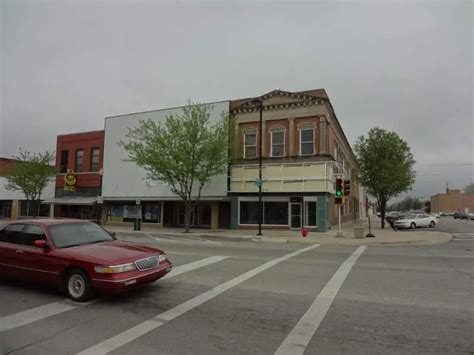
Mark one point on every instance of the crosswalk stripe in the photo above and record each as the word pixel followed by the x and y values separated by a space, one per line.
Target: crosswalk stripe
pixel 300 336
pixel 54 308
pixel 33 315
pixel 194 265
pixel 145 327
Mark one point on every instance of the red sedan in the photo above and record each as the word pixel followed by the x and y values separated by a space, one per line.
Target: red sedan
pixel 78 256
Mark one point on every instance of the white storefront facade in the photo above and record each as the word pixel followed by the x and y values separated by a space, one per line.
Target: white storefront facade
pixel 128 193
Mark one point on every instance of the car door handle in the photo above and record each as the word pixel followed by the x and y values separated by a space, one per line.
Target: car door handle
pixel 19 252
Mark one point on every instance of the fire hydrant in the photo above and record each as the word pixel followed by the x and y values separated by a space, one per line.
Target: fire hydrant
pixel 304 232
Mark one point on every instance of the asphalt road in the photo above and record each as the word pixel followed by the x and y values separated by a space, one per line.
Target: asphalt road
pixel 229 297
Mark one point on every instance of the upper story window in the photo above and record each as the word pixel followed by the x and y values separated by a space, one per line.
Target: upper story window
pixel 307 140
pixel 79 160
pixel 95 152
pixel 277 142
pixel 63 162
pixel 250 144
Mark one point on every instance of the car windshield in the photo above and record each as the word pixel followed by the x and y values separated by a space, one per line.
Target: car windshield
pixel 73 234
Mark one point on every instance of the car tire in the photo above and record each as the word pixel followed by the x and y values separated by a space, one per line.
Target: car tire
pixel 432 224
pixel 78 286
pixel 412 225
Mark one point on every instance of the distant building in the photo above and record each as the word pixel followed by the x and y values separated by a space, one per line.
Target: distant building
pixel 452 201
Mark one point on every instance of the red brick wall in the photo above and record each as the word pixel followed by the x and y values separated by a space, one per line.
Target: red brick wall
pixel 85 141
pixel 280 123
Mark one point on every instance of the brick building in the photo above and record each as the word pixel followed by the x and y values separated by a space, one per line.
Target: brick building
pixel 304 147
pixel 452 201
pixel 79 157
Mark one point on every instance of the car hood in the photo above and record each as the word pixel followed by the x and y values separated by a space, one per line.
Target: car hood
pixel 110 252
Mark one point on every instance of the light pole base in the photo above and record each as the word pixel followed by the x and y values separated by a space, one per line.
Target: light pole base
pixel 339 234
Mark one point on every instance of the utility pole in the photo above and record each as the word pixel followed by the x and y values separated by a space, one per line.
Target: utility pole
pixel 259 102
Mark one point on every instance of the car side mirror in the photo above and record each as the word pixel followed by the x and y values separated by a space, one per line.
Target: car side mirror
pixel 113 234
pixel 43 244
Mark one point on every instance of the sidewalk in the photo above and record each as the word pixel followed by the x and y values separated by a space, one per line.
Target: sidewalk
pixel 383 237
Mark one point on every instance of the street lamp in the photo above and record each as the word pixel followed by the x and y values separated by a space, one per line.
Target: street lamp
pixel 259 102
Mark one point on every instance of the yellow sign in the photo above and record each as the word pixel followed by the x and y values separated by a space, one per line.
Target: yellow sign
pixel 70 181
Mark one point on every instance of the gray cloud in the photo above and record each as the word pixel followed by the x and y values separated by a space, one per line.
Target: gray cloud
pixel 402 66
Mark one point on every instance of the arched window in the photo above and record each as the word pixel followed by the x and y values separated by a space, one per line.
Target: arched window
pixel 250 143
pixel 307 138
pixel 277 141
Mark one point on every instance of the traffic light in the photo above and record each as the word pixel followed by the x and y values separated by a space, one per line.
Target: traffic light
pixel 347 187
pixel 339 190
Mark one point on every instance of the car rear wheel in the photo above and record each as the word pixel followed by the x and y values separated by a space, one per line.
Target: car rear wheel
pixel 78 286
pixel 412 225
pixel 432 224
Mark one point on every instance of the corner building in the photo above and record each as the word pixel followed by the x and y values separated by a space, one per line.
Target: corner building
pixel 304 148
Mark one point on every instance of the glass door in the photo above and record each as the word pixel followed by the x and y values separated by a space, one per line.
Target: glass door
pixel 295 213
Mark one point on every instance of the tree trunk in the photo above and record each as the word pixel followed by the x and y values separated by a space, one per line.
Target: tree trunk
pixel 187 216
pixel 383 204
pixel 27 207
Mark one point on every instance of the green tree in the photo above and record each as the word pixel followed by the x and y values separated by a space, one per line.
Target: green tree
pixel 469 188
pixel 385 165
pixel 30 173
pixel 184 152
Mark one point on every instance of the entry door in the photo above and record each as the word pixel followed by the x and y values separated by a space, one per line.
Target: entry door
pixel 295 215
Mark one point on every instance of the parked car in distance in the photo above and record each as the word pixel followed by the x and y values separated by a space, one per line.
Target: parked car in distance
pixel 415 221
pixel 437 215
pixel 460 215
pixel 471 216
pixel 78 256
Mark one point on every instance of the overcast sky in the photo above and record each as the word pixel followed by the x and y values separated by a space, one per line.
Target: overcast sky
pixel 402 66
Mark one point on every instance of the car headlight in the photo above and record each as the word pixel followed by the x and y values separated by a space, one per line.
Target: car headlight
pixel 162 257
pixel 116 269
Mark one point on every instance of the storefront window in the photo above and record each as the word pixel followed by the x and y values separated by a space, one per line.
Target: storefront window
pixel 249 212
pixel 151 212
pixel 310 213
pixel 276 213
pixel 30 209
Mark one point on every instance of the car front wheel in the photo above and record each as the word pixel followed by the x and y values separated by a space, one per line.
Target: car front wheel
pixel 78 286
pixel 432 224
pixel 413 225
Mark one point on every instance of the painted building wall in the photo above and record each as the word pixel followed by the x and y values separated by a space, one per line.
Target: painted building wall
pixel 125 180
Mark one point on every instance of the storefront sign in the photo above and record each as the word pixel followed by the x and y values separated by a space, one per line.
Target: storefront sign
pixel 70 181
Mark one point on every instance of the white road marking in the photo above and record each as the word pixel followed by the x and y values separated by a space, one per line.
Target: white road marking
pixel 33 315
pixel 194 265
pixel 141 329
pixel 300 336
pixel 462 239
pixel 164 239
pixel 51 309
